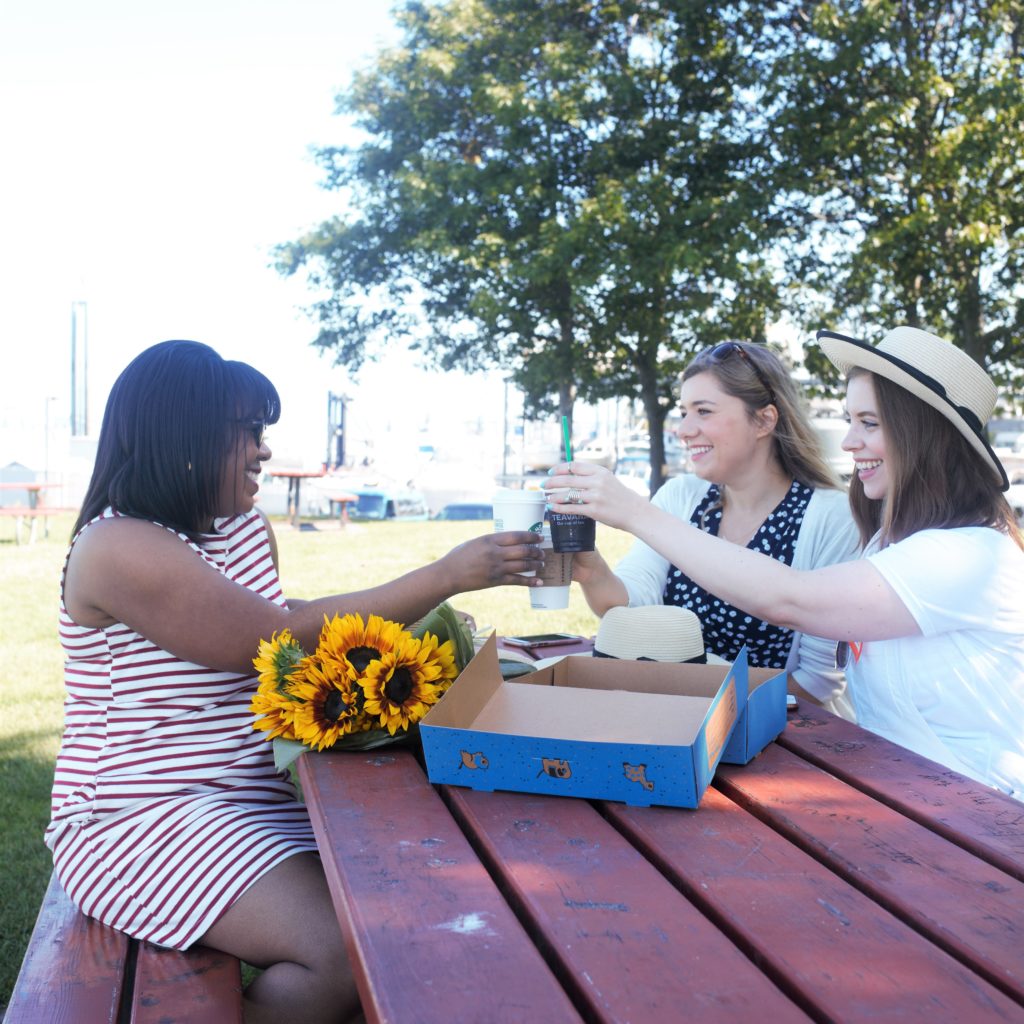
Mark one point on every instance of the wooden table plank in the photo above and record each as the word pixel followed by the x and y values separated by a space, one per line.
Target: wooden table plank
pixel 629 945
pixel 73 968
pixel 984 821
pixel 967 906
pixel 827 945
pixel 199 986
pixel 430 937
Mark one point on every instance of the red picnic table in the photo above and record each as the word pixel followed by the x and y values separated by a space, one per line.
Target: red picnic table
pixel 31 509
pixel 295 478
pixel 836 877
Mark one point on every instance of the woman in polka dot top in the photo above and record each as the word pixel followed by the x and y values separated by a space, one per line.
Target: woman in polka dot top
pixel 760 480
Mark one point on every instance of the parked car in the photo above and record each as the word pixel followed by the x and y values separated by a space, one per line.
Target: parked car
pixel 677 455
pixel 467 510
pixel 598 452
pixel 539 458
pixel 375 503
pixel 635 472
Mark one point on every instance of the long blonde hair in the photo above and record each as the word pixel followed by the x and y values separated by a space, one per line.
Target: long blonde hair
pixel 758 378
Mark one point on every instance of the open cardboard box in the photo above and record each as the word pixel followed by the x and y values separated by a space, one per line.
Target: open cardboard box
pixel 762 719
pixel 640 732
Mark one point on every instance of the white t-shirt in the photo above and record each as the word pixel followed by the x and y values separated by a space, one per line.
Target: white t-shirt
pixel 955 694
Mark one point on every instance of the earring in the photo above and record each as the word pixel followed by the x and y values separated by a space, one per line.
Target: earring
pixel 190 467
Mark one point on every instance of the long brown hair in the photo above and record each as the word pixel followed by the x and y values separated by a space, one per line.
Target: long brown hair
pixel 794 441
pixel 936 479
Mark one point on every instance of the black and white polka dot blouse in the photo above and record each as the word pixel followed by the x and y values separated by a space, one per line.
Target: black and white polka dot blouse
pixel 727 629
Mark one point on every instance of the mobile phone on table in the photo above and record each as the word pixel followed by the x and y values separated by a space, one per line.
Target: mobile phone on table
pixel 544 640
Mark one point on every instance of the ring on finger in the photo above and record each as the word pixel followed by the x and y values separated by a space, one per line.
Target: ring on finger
pixel 574 496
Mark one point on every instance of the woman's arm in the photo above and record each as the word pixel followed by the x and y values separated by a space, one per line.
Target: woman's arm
pixel 644 571
pixel 849 601
pixel 602 589
pixel 132 571
pixel 828 534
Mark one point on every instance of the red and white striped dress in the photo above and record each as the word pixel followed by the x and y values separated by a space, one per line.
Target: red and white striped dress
pixel 166 803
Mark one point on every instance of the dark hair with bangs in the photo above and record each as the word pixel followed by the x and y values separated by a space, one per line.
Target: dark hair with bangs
pixel 173 419
pixel 936 478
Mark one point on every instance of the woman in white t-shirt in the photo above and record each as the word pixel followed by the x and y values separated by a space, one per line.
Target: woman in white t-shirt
pixel 932 617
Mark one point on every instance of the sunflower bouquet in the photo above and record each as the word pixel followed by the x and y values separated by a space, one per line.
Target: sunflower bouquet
pixel 367 683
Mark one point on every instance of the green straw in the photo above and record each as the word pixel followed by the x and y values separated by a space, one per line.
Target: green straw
pixel 565 438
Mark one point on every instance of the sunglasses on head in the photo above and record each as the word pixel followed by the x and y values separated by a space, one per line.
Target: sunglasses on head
pixel 721 352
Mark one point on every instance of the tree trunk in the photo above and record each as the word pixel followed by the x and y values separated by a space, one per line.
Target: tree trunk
pixel 971 334
pixel 655 413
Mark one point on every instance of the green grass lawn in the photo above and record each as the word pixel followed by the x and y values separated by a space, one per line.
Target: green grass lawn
pixel 313 563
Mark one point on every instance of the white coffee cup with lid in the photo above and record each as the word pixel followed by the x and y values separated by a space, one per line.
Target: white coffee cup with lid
pixel 519 510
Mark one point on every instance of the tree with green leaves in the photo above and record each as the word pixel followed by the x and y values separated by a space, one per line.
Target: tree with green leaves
pixel 573 191
pixel 900 126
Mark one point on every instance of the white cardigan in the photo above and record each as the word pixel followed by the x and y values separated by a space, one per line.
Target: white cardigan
pixel 828 534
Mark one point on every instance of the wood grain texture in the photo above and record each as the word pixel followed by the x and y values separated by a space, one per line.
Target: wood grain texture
pixel 199 986
pixel 73 968
pixel 826 944
pixel 78 971
pixel 431 938
pixel 626 941
pixel 965 905
pixel 978 818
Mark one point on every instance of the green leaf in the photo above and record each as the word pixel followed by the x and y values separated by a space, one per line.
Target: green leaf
pixel 286 751
pixel 446 624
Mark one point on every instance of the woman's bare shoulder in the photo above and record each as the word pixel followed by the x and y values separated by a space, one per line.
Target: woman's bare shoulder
pixel 113 551
pixel 114 533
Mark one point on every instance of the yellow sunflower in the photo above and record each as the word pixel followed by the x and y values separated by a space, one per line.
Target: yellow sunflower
pixel 276 662
pixel 329 703
pixel 444 654
pixel 402 684
pixel 277 658
pixel 275 711
pixel 346 639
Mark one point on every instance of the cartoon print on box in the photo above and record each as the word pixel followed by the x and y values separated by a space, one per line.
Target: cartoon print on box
pixel 470 760
pixel 555 767
pixel 636 773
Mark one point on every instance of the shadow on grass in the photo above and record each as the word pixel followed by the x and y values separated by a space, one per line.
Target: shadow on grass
pixel 25 783
pixel 19 742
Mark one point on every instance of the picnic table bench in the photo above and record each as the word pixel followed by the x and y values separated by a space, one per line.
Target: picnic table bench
pixel 837 877
pixel 78 971
pixel 33 513
pixel 32 509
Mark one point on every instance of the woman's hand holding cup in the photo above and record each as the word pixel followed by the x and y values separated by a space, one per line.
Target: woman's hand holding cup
pixel 585 489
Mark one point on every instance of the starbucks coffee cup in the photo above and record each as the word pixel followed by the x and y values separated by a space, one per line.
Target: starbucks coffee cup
pixel 556 576
pixel 519 510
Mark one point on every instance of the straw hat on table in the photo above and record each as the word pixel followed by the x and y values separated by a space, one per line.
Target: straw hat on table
pixel 660 632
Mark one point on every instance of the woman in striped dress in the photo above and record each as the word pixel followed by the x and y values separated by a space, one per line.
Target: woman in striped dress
pixel 169 820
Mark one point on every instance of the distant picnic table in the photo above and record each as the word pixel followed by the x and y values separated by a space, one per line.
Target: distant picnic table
pixel 34 508
pixel 295 478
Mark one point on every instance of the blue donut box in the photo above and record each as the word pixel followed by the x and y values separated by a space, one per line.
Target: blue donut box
pixel 643 733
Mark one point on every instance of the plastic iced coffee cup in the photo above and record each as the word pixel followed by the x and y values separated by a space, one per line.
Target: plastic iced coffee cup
pixel 556 576
pixel 519 510
pixel 572 532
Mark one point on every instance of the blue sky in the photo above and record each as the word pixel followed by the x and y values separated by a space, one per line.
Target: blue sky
pixel 154 153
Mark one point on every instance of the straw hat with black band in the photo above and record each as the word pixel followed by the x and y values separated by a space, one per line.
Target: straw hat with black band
pixel 659 632
pixel 936 371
